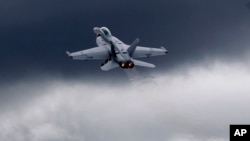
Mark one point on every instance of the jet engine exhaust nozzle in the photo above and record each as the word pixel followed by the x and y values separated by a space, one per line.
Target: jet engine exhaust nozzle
pixel 130 64
pixel 125 65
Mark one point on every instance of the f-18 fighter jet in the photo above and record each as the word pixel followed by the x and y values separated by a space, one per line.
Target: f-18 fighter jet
pixel 115 52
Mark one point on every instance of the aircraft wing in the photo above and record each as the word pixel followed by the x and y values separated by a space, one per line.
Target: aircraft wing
pixel 148 52
pixel 90 54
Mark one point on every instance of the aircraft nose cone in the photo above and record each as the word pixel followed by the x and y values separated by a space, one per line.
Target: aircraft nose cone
pixel 96 30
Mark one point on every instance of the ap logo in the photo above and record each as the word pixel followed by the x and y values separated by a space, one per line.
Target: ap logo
pixel 239 132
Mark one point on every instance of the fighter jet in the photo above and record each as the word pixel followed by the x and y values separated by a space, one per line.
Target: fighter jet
pixel 115 52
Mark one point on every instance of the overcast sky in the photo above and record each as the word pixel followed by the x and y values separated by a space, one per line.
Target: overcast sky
pixel 194 92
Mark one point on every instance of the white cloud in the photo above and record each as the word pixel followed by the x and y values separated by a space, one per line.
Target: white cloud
pixel 196 104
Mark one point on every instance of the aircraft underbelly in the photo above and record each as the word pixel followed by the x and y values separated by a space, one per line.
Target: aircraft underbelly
pixel 119 58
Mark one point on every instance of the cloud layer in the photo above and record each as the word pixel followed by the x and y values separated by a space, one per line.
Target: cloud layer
pixel 195 104
pixel 47 97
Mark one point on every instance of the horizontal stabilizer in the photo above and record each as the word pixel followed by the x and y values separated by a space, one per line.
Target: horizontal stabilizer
pixel 143 64
pixel 109 65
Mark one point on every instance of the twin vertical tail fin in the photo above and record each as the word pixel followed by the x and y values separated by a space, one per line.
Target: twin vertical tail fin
pixel 131 50
pixel 132 47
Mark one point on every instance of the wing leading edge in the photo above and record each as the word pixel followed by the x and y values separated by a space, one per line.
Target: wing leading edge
pixel 90 54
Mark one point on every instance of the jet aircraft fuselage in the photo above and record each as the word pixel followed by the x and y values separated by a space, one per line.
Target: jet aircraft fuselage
pixel 116 47
pixel 115 52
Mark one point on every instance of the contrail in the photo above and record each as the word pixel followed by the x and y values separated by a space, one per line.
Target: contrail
pixel 133 74
pixel 137 78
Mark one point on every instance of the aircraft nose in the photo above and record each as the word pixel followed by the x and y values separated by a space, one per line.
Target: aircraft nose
pixel 96 30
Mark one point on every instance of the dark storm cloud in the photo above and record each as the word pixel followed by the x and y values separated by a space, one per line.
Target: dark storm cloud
pixel 248 5
pixel 35 34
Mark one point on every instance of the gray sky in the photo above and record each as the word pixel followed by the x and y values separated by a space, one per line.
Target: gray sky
pixel 194 93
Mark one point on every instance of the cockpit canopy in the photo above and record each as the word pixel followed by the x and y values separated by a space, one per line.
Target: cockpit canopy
pixel 106 31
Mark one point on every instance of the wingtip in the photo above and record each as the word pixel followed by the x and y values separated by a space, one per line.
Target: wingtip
pixel 68 53
pixel 164 49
